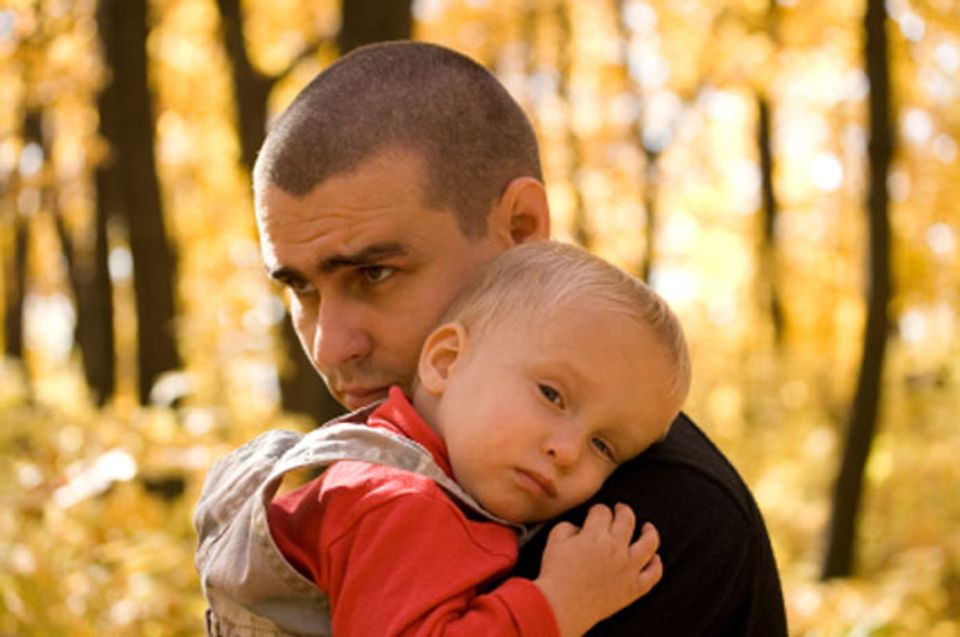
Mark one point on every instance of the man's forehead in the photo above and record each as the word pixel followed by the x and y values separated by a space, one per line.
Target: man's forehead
pixel 375 192
pixel 339 216
pixel 383 162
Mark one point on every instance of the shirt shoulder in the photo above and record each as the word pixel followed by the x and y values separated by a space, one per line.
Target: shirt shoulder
pixel 719 566
pixel 688 458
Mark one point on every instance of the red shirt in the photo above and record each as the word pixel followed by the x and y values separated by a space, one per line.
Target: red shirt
pixel 397 557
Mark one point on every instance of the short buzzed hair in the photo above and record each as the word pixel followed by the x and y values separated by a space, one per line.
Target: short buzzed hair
pixel 471 135
pixel 542 277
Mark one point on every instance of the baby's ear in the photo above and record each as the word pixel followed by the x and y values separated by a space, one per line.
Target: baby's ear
pixel 439 356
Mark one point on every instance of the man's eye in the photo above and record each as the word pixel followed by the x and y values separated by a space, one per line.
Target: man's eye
pixel 376 273
pixel 299 287
pixel 551 395
pixel 605 450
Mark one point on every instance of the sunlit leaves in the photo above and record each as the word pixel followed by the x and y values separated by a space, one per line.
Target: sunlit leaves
pixel 641 106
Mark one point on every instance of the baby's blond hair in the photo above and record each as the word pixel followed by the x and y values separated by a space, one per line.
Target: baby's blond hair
pixel 542 277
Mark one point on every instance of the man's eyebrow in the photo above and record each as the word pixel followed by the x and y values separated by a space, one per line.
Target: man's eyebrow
pixel 282 274
pixel 369 255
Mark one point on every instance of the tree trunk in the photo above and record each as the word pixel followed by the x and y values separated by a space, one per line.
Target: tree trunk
pixel 367 21
pixel 251 88
pixel 768 279
pixel 14 286
pixel 94 298
pixel 124 31
pixel 840 555
pixel 15 272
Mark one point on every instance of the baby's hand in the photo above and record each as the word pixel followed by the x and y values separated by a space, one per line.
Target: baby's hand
pixel 590 573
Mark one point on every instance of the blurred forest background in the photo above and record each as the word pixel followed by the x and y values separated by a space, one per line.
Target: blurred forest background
pixel 786 172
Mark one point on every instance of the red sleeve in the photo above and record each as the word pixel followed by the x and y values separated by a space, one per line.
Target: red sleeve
pixel 408 564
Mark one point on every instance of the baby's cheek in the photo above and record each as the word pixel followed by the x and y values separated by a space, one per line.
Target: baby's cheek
pixel 597 483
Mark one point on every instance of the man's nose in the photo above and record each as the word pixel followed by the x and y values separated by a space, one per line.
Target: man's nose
pixel 340 336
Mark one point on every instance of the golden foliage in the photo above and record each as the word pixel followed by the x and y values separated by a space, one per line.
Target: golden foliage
pixel 647 114
pixel 96 537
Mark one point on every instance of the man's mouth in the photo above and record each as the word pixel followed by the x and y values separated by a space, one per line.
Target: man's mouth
pixel 357 397
pixel 536 483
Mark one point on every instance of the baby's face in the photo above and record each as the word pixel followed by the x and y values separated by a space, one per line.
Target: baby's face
pixel 537 416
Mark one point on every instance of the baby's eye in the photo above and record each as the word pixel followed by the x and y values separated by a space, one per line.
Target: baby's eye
pixel 551 395
pixel 605 450
pixel 376 273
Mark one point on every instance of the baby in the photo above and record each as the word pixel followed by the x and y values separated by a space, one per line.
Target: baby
pixel 549 370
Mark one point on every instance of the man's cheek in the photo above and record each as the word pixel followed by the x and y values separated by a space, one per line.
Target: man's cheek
pixel 305 326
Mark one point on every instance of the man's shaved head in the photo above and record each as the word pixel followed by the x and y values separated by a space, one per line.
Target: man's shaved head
pixel 470 133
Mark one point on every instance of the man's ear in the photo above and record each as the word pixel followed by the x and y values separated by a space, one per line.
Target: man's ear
pixel 522 213
pixel 439 356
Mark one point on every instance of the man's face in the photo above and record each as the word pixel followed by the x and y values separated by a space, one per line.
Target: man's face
pixel 370 269
pixel 537 415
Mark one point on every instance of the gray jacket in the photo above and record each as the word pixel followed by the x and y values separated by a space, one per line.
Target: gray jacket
pixel 250 587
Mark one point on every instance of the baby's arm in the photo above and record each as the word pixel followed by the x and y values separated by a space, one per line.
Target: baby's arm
pixel 592 572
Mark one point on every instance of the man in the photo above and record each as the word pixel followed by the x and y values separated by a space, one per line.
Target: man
pixel 386 184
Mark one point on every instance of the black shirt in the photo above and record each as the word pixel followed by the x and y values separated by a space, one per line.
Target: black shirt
pixel 719 573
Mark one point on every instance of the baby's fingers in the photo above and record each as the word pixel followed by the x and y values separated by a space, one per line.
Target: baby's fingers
pixel 650 575
pixel 561 531
pixel 599 518
pixel 623 523
pixel 645 548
